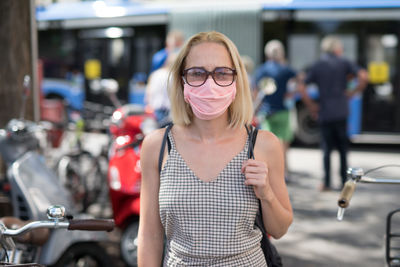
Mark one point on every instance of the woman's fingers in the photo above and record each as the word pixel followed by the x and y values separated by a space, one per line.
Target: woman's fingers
pixel 255 182
pixel 258 168
pixel 253 165
pixel 255 172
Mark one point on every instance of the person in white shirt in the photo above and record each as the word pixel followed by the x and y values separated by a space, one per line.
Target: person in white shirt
pixel 156 96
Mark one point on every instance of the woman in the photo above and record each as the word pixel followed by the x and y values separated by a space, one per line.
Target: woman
pixel 206 197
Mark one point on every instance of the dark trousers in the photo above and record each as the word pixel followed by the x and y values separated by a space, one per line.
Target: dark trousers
pixel 334 135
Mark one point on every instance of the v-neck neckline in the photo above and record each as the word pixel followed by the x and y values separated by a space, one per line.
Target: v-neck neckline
pixel 216 177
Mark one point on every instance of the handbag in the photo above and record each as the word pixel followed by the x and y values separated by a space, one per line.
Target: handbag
pixel 271 254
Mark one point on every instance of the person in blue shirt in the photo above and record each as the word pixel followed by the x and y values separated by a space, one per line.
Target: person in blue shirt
pixel 270 81
pixel 174 41
pixel 331 74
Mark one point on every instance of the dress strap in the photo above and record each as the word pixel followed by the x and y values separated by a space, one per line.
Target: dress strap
pixel 164 141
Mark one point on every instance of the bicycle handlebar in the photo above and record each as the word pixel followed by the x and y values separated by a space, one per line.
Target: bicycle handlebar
pixel 13 229
pixel 356 175
pixel 92 225
pixel 84 225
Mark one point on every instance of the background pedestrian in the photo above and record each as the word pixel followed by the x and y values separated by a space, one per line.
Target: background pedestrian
pixel 331 73
pixel 173 41
pixel 272 79
pixel 156 96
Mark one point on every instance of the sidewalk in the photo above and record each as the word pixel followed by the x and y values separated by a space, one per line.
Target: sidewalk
pixel 316 238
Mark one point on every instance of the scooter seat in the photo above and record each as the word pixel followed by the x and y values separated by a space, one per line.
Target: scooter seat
pixel 35 237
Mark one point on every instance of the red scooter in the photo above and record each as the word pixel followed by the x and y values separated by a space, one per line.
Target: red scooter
pixel 129 124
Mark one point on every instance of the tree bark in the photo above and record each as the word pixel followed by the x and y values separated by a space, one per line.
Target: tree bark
pixel 15 58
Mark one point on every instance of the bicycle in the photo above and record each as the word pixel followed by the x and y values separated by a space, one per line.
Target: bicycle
pixel 14 232
pixel 80 171
pixel 357 175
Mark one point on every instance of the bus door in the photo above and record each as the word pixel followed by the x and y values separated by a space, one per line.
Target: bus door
pixel 381 109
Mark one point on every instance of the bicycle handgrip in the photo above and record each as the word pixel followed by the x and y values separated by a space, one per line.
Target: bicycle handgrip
pixel 92 225
pixel 346 194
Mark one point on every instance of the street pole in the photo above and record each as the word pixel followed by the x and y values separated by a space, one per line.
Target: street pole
pixel 34 60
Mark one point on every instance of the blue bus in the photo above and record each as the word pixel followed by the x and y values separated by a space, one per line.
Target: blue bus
pixel 123 36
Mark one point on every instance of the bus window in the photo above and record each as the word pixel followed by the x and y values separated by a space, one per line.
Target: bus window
pixel 303 50
pixel 349 46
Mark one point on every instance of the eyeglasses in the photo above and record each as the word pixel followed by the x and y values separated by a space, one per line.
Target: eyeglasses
pixel 222 76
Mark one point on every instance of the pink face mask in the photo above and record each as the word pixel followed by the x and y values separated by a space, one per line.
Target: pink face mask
pixel 209 100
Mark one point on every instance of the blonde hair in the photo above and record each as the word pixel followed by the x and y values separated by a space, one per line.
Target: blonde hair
pixel 274 50
pixel 240 111
pixel 330 44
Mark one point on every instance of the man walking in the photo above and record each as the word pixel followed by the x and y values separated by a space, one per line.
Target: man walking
pixel 331 74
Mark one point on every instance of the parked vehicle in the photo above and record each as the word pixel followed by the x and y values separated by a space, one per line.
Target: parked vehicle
pixel 16 235
pixel 81 171
pixel 72 93
pixel 357 175
pixel 129 124
pixel 34 187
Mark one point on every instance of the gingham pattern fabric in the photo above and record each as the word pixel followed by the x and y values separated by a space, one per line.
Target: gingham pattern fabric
pixel 209 223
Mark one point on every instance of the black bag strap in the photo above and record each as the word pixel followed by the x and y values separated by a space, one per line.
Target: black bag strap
pixel 164 141
pixel 271 254
pixel 252 133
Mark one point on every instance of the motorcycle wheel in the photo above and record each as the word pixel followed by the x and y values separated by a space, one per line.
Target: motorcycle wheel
pixel 129 244
pixel 84 254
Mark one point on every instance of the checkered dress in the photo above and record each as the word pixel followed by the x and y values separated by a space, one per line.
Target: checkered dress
pixel 209 223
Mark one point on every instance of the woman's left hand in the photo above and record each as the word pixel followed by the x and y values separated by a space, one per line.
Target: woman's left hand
pixel 256 174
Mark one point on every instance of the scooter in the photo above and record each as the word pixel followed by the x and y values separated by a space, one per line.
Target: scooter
pixel 129 124
pixel 33 188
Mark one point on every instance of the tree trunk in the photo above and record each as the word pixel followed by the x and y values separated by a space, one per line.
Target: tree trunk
pixel 15 58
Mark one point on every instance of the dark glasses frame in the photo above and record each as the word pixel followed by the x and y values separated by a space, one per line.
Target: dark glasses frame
pixel 212 73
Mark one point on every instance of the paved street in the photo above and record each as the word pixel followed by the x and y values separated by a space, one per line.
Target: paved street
pixel 316 238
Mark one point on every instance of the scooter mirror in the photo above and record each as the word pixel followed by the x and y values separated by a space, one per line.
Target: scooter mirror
pixel 110 86
pixel 95 86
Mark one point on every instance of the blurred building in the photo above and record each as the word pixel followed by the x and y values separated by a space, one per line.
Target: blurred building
pixel 121 36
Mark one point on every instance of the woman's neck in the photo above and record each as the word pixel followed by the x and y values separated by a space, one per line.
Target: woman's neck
pixel 209 131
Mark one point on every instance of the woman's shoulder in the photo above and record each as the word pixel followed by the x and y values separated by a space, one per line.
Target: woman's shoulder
pixel 153 140
pixel 267 141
